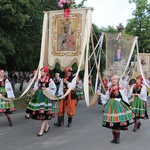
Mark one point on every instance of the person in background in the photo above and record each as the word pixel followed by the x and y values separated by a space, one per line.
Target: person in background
pixel 106 83
pixel 124 83
pixel 31 91
pixel 21 78
pixel 40 106
pixel 6 107
pixel 57 81
pixel 118 114
pixel 148 88
pixel 90 85
pixel 79 89
pixel 14 80
pixel 138 93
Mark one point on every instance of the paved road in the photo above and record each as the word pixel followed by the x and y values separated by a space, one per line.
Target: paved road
pixel 86 133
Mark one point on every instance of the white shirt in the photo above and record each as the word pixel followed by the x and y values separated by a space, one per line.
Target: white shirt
pixel 142 95
pixel 9 90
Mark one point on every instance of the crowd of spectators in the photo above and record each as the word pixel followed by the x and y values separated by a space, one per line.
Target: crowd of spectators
pixel 18 77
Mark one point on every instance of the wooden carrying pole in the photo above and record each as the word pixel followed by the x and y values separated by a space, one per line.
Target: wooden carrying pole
pixel 95 97
pixel 99 75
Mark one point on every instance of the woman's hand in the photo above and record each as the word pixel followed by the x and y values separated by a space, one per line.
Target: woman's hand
pixel 133 95
pixel 65 81
pixel 99 93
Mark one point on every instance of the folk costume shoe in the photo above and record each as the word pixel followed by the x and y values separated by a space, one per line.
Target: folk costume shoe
pixel 27 117
pixel 39 135
pixel 46 131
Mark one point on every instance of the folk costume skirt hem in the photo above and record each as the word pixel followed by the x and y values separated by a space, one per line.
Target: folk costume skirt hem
pixel 117 115
pixel 140 108
pixel 40 107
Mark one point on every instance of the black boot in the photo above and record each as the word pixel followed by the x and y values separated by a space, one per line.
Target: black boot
pixel 9 121
pixel 135 127
pixel 69 122
pixel 59 122
pixel 138 126
pixel 117 137
pixel 114 137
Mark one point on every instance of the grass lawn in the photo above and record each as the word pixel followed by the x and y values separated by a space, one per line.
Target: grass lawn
pixel 20 103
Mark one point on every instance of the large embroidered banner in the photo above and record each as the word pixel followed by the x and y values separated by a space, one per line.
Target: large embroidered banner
pixel 66 41
pixel 144 59
pixel 117 52
pixel 65 37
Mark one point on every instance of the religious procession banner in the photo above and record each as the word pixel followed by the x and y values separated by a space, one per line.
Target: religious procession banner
pixel 66 41
pixel 117 52
pixel 142 67
pixel 65 37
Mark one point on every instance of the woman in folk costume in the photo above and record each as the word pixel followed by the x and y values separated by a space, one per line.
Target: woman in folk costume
pixel 41 107
pixel 6 107
pixel 138 92
pixel 117 112
pixel 79 89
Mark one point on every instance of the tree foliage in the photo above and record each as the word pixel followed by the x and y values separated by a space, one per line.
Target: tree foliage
pixel 21 31
pixel 140 24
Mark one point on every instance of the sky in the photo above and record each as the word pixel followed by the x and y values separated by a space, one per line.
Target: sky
pixel 110 12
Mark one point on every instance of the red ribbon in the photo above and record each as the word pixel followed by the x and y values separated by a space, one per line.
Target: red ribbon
pixel 66 12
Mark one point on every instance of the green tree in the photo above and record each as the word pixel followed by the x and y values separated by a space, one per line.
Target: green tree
pixel 18 25
pixel 140 24
pixel 21 31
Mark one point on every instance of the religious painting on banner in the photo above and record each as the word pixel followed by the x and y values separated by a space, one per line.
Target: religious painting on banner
pixel 145 63
pixel 65 37
pixel 117 53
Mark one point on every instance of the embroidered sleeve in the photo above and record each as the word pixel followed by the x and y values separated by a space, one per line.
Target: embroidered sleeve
pixel 9 90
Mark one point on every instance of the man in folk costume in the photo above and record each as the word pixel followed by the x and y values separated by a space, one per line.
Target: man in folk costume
pixel 68 102
pixel 138 95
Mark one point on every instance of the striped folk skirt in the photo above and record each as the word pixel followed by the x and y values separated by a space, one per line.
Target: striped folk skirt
pixel 79 93
pixel 6 106
pixel 139 108
pixel 40 107
pixel 117 115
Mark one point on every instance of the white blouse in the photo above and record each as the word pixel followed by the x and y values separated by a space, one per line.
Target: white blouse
pixel 142 95
pixel 51 88
pixel 8 88
pixel 105 97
